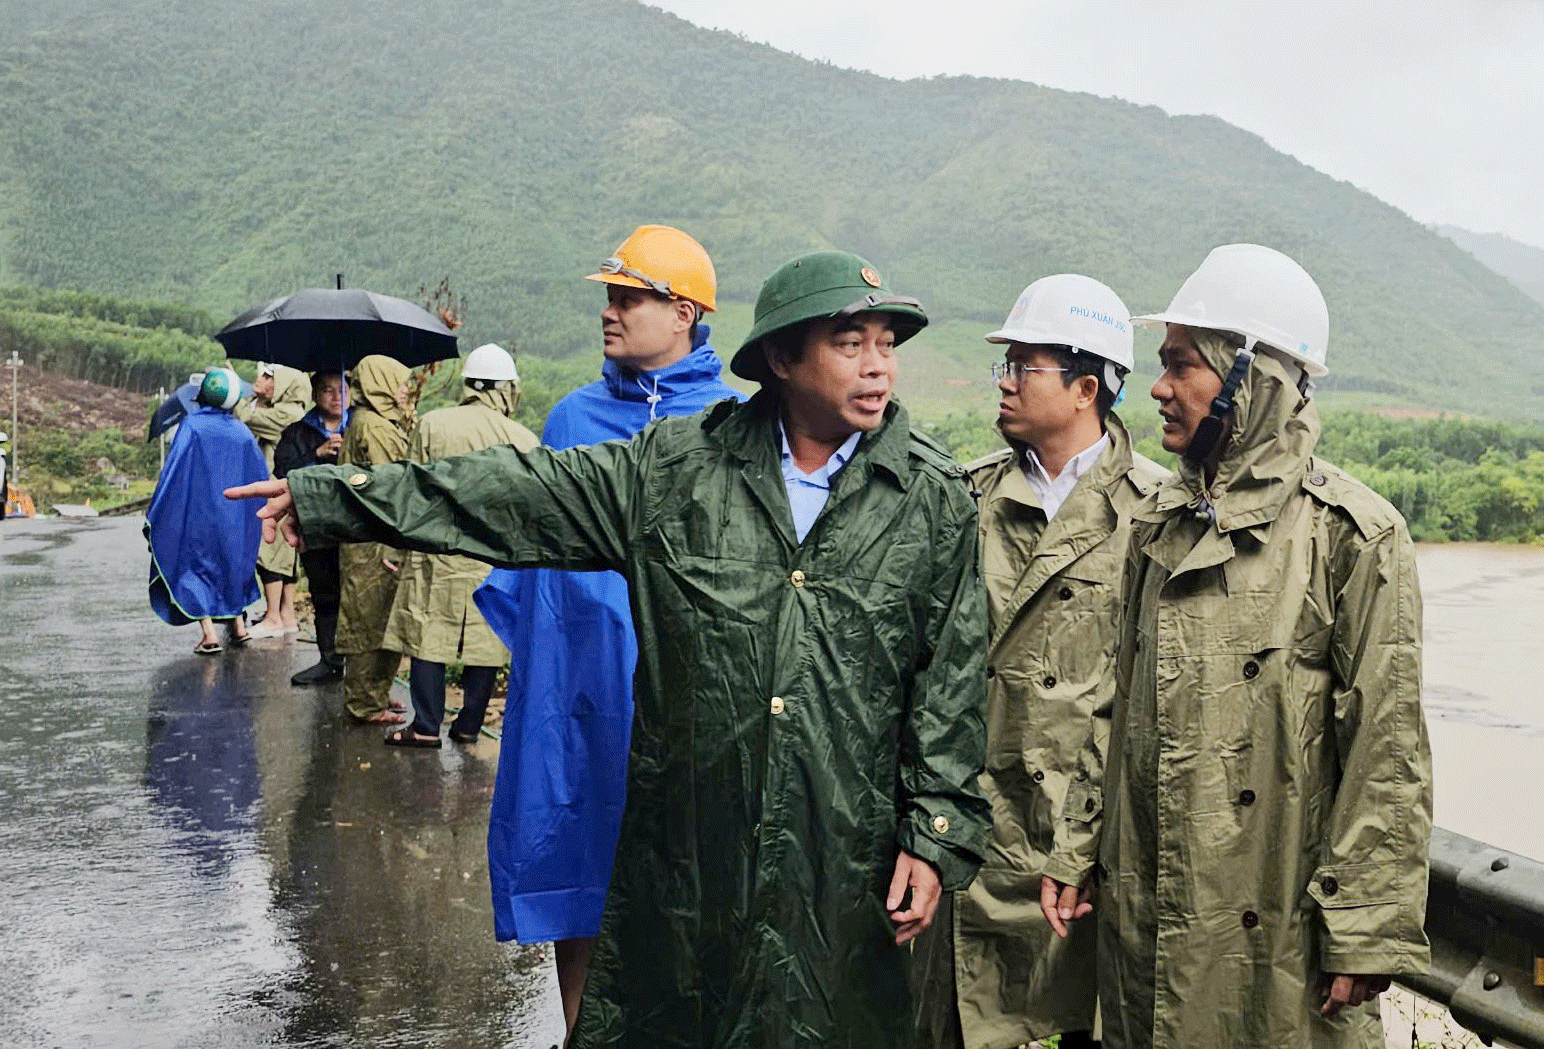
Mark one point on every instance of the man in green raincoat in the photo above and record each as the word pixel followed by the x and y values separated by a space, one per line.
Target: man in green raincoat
pixel 278 398
pixel 1055 520
pixel 807 731
pixel 433 619
pixel 1261 822
pixel 377 433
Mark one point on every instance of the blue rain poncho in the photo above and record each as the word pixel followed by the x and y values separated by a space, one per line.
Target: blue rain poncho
pixel 203 546
pixel 562 780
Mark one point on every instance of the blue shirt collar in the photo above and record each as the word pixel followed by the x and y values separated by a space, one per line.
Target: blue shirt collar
pixel 821 478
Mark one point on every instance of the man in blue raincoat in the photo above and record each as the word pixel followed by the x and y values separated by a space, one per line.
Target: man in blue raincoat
pixel 557 805
pixel 203 548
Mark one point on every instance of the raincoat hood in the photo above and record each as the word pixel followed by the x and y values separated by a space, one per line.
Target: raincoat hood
pixel 685 376
pixel 1275 429
pixel 290 387
pixel 373 385
pixel 503 398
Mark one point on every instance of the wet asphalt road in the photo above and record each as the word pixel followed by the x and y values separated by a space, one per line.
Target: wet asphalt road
pixel 194 853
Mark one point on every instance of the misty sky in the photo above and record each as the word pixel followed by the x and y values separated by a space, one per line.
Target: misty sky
pixel 1436 107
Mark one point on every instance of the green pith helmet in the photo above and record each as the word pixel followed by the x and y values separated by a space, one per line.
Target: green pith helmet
pixel 822 284
pixel 221 389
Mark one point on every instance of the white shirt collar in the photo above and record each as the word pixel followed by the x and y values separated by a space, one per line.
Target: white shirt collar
pixel 1053 491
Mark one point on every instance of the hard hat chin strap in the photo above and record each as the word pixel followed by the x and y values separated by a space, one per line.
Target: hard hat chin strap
pixel 1209 434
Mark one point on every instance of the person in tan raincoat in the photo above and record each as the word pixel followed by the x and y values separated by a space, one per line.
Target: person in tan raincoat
pixel 280 396
pixel 1055 519
pixel 1261 825
pixel 433 618
pixel 377 434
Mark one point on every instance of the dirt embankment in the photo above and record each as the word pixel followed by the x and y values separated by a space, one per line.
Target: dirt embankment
pixel 50 401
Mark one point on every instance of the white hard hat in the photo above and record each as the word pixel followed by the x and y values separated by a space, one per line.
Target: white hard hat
pixel 1259 293
pixel 4 437
pixel 492 362
pixel 1068 309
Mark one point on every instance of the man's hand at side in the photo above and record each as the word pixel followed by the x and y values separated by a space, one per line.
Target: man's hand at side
pixel 1062 903
pixel 278 515
pixel 1352 989
pixel 922 878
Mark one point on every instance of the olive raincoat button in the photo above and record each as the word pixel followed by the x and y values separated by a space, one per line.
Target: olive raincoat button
pixel 1317 480
pixel 777 704
pixel 1246 797
pixel 1037 776
pixel 1065 593
pixel 1329 885
pixel 359 480
pixel 797 579
pixel 1088 806
pixel 941 824
pixel 1049 681
pixel 1251 919
pixel 1251 670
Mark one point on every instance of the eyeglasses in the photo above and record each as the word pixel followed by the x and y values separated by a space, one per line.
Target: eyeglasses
pixel 617 266
pixel 1014 372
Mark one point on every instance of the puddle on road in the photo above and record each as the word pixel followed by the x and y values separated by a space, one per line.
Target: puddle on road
pixel 197 853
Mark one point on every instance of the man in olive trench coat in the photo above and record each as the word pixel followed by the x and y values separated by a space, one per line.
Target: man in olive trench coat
pixel 1261 822
pixel 1055 520
pixel 807 732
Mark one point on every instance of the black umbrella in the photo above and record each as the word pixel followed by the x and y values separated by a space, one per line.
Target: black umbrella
pixel 321 329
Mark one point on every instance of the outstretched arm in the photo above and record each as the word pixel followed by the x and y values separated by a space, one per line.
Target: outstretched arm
pixel 576 509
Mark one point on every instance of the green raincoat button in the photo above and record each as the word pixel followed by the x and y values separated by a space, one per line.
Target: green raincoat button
pixel 359 480
pixel 797 579
pixel 941 824
pixel 778 706
pixel 1065 593
pixel 1037 776
pixel 1329 885
pixel 1049 681
pixel 1317 480
pixel 1088 806
pixel 1246 797
pixel 1251 670
pixel 1251 919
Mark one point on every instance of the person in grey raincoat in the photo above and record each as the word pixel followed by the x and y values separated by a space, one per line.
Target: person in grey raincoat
pixel 381 419
pixel 1055 520
pixel 807 731
pixel 1261 823
pixel 279 398
pixel 433 619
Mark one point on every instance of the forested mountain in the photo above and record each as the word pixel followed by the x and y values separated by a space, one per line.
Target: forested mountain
pixel 219 152
pixel 1522 264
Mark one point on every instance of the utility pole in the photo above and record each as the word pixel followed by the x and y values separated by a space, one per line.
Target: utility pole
pixel 15 363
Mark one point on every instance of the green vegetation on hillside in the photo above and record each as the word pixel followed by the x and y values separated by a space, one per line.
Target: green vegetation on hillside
pixel 138 346
pixel 225 152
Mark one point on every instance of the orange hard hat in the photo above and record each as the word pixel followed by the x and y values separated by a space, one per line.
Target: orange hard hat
pixel 665 260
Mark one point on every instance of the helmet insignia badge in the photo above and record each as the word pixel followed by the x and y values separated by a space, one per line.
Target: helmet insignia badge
pixel 870 276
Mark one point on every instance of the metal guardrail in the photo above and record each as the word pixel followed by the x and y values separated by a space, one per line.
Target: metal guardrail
pixel 1485 919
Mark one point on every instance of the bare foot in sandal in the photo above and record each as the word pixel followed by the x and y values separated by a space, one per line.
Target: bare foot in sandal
pixel 381 717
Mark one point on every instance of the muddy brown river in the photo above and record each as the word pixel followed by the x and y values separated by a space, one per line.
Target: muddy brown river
pixel 195 854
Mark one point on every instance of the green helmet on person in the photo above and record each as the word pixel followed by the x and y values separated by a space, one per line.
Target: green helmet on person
pixel 818 285
pixel 220 389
